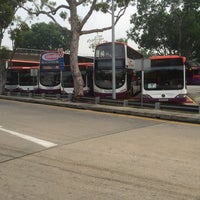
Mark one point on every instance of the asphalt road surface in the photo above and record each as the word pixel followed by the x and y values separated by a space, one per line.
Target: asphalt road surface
pixel 55 153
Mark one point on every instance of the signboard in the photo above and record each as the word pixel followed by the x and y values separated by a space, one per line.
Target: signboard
pixel 60 52
pixel 142 64
pixel 61 63
pixel 61 59
pixel 52 59
pixel 49 58
pixel 34 72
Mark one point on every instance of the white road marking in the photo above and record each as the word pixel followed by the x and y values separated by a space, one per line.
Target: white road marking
pixel 43 143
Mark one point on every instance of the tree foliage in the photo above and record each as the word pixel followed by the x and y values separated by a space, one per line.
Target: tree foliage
pixel 7 14
pixel 4 55
pixel 70 10
pixel 40 36
pixel 167 27
pixel 95 41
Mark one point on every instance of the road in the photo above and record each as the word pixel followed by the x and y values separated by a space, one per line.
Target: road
pixel 56 153
pixel 194 92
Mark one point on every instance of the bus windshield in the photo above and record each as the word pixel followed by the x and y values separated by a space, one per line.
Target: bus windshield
pixel 67 78
pixel 12 77
pixel 50 77
pixel 103 78
pixel 164 78
pixel 103 72
pixel 105 51
pixel 25 78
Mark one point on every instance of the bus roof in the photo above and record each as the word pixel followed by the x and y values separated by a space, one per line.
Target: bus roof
pixel 24 67
pixel 169 60
pixel 25 61
pixel 168 57
pixel 23 64
pixel 164 57
pixel 84 64
pixel 124 44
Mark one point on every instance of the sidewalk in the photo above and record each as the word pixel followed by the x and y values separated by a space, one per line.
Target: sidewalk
pixel 142 112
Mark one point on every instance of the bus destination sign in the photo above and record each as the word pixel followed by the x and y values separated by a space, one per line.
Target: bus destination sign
pixel 50 58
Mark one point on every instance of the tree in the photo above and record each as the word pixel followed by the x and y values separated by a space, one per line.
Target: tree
pixel 7 14
pixel 77 23
pixel 125 40
pixel 4 55
pixel 167 27
pixel 95 41
pixel 98 39
pixel 40 36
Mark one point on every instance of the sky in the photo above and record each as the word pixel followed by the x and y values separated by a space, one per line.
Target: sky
pixel 97 20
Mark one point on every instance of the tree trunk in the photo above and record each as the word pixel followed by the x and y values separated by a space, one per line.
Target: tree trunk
pixel 2 75
pixel 1 36
pixel 75 31
pixel 77 76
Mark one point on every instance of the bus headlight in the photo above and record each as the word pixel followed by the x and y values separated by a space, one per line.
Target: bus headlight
pixel 181 96
pixel 146 96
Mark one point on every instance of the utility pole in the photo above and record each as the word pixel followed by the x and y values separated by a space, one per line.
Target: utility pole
pixel 113 53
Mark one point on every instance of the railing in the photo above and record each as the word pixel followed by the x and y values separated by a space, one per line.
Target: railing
pixel 124 102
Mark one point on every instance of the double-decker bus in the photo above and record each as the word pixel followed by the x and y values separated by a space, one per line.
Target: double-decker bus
pixel 124 68
pixel 67 83
pixel 54 80
pixel 165 79
pixel 21 76
pixel 49 73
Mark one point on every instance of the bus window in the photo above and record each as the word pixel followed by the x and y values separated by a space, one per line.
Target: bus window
pixel 12 77
pixel 50 78
pixel 25 78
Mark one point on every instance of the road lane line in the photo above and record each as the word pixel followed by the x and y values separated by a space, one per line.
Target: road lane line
pixel 43 143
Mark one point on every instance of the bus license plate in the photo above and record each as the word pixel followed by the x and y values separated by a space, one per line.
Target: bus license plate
pixel 163 99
